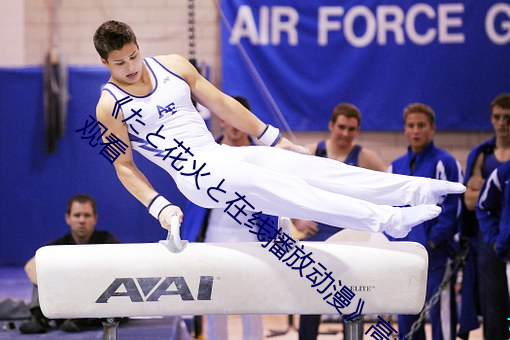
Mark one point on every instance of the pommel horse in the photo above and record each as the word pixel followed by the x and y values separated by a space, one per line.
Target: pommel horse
pixel 155 279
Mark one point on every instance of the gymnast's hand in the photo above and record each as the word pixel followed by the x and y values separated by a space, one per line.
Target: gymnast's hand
pixel 166 215
pixel 286 144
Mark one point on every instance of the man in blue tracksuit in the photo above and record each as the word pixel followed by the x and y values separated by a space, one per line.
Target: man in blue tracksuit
pixel 424 159
pixel 484 279
pixel 493 212
pixel 344 128
pixel 469 230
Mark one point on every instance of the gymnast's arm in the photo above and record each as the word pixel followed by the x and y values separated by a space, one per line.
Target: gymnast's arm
pixel 224 106
pixel 128 173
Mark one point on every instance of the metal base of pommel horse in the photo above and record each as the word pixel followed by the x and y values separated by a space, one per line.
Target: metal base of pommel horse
pixel 128 280
pixel 353 330
pixel 110 329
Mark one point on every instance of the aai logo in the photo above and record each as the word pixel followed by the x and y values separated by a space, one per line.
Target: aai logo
pixel 152 288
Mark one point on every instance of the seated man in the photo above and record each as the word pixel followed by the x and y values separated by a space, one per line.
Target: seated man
pixel 81 216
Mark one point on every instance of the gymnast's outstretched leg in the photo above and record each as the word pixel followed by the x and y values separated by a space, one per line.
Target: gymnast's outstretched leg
pixel 331 175
pixel 286 195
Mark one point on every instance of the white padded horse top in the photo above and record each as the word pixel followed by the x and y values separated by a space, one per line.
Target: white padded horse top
pixel 121 280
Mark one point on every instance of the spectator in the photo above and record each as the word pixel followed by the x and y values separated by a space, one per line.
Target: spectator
pixel 81 217
pixel 214 225
pixel 424 159
pixel 344 128
pixel 484 278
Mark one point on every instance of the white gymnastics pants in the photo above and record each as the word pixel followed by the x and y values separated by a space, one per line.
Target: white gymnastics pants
pixel 284 183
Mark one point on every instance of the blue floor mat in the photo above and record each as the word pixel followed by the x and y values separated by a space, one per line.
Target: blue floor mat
pixel 134 329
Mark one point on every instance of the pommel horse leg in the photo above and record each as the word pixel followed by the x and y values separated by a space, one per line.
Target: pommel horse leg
pixel 110 329
pixel 353 329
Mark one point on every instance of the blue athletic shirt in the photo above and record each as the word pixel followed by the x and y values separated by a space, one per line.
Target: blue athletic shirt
pixel 325 230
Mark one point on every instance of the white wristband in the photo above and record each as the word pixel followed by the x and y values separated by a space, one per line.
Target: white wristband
pixel 157 205
pixel 270 136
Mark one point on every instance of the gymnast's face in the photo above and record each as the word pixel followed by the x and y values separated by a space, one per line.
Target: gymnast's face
pixel 419 131
pixel 82 221
pixel 344 130
pixel 125 64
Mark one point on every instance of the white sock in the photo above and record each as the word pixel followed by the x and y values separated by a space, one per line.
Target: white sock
pixel 412 216
pixel 442 188
pixel 434 191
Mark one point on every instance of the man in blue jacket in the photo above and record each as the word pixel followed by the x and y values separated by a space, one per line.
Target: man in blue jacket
pixel 493 212
pixel 424 159
pixel 484 277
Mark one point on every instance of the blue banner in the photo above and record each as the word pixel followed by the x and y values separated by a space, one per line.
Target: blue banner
pixel 298 59
pixel 36 185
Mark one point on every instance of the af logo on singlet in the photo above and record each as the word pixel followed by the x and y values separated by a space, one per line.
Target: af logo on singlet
pixel 152 288
pixel 163 110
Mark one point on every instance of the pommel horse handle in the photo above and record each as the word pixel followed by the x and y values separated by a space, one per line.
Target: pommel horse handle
pixel 173 240
pixel 174 243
